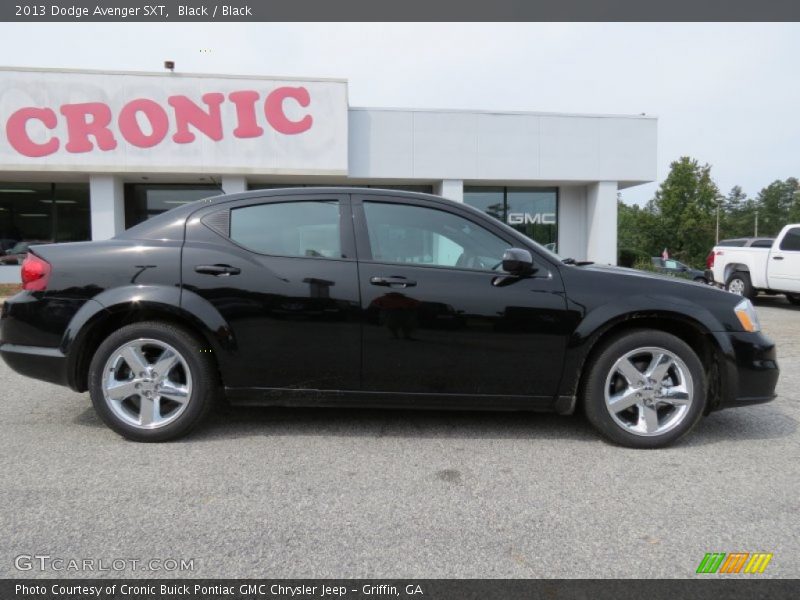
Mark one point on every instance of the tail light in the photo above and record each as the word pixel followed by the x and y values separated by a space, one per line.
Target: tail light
pixel 35 273
pixel 710 260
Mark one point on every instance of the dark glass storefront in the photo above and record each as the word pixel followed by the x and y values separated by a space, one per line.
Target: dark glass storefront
pixel 146 200
pixel 530 210
pixel 44 212
pixel 425 189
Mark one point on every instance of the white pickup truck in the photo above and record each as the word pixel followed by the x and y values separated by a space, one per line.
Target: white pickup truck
pixel 748 270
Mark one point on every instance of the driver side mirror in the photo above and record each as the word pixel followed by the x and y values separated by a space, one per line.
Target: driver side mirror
pixel 518 262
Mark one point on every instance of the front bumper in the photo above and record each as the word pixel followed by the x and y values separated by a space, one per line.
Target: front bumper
pixel 748 369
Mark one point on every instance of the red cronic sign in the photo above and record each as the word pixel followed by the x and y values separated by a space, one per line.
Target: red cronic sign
pixel 93 126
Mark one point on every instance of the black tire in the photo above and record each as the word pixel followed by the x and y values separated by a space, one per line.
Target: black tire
pixel 702 280
pixel 600 367
pixel 746 285
pixel 793 299
pixel 204 378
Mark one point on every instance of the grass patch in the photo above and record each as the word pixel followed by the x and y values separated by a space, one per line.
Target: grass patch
pixel 9 289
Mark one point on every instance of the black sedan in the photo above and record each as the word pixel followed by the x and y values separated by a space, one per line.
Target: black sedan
pixel 347 296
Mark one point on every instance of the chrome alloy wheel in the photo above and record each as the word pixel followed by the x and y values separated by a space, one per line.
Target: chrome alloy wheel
pixel 147 383
pixel 736 286
pixel 649 391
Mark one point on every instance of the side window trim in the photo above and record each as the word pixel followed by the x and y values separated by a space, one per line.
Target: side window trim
pixel 346 231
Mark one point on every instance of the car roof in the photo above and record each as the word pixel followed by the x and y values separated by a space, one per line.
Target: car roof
pixel 154 228
pixel 299 191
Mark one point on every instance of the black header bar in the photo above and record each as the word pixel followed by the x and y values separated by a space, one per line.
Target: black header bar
pixel 741 588
pixel 399 10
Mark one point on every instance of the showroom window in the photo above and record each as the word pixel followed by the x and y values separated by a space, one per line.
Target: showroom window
pixel 44 212
pixel 425 189
pixel 530 210
pixel 146 200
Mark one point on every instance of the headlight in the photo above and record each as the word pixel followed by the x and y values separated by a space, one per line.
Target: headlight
pixel 747 316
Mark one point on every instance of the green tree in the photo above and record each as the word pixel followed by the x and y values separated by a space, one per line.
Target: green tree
pixel 794 207
pixel 685 205
pixel 639 233
pixel 738 214
pixel 777 205
pixel 682 216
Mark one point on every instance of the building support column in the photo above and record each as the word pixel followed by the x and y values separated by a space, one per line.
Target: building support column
pixel 452 189
pixel 572 222
pixel 107 206
pixel 233 184
pixel 601 222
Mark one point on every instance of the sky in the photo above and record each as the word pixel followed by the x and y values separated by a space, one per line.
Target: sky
pixel 726 94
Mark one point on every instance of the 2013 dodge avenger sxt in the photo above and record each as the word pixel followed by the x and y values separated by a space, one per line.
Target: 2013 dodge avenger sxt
pixel 347 296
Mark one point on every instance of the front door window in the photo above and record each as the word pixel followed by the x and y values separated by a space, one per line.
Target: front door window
pixel 407 234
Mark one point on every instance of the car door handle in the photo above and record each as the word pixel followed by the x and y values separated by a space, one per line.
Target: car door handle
pixel 777 258
pixel 394 281
pixel 218 270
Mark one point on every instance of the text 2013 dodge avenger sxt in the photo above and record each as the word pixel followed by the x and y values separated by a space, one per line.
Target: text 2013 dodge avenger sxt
pixel 347 296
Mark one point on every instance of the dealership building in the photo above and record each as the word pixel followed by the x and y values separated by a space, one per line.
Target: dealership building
pixel 87 154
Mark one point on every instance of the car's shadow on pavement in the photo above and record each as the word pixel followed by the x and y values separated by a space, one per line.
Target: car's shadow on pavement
pixel 751 423
pixel 763 422
pixel 239 421
pixel 385 423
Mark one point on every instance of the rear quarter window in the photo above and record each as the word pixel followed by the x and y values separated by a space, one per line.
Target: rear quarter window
pixel 306 228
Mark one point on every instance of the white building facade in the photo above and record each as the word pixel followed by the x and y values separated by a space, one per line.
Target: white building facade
pixel 86 154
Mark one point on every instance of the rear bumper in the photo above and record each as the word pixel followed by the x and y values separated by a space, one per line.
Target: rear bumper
pixel 47 364
pixel 33 330
pixel 749 370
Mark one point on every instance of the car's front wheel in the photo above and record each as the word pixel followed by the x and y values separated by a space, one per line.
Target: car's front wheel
pixel 150 382
pixel 644 389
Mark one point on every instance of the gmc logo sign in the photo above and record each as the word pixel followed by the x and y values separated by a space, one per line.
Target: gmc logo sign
pixel 533 219
pixel 145 123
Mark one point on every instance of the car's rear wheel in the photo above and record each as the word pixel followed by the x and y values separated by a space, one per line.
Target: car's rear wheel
pixel 150 382
pixel 702 280
pixel 739 283
pixel 644 389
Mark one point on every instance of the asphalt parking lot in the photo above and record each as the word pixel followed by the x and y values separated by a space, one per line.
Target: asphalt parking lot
pixel 357 493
